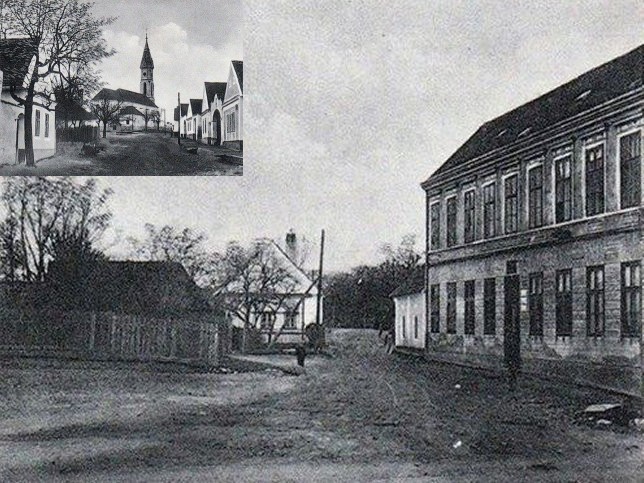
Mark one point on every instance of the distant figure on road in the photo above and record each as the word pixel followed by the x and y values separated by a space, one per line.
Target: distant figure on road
pixel 300 353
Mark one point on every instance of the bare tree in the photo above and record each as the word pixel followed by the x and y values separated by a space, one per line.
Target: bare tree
pixel 155 117
pixel 107 111
pixel 184 246
pixel 46 217
pixel 66 40
pixel 254 284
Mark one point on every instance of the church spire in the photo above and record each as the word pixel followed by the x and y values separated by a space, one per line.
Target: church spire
pixel 146 60
pixel 147 71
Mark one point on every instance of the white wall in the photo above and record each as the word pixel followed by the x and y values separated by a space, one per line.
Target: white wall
pixel 410 320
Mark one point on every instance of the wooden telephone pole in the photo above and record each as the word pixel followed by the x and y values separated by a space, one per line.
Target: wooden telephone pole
pixel 319 295
pixel 179 123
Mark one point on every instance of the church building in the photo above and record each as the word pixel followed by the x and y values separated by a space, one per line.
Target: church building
pixel 136 106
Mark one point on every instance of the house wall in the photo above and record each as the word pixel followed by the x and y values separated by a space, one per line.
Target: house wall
pixel 44 146
pixel 410 320
pixel 8 115
pixel 607 239
pixel 45 140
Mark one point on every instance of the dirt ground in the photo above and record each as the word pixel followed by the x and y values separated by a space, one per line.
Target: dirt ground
pixel 356 415
pixel 138 154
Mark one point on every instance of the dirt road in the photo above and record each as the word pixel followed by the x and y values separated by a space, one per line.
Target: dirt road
pixel 139 154
pixel 359 416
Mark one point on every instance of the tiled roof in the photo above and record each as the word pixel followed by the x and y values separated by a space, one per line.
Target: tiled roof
pixel 72 111
pixel 124 95
pixel 214 89
pixel 606 82
pixel 238 65
pixel 414 284
pixel 15 57
pixel 130 110
pixel 184 111
pixel 146 60
pixel 196 106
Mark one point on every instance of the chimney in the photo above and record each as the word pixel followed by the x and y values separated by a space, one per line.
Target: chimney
pixel 291 245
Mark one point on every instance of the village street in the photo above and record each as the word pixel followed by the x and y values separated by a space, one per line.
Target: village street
pixel 357 415
pixel 139 154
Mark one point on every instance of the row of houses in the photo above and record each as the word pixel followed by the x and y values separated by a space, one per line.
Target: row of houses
pixel 215 118
pixel 534 238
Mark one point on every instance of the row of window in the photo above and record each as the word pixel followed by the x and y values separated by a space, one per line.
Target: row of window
pixel 594 176
pixel 268 318
pixel 631 303
pixel 37 124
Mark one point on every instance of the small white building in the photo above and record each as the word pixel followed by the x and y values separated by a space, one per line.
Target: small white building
pixel 17 61
pixel 409 301
pixel 193 120
pixel 233 107
pixel 179 118
pixel 211 105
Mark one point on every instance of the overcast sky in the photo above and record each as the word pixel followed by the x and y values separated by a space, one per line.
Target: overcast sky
pixel 191 42
pixel 350 104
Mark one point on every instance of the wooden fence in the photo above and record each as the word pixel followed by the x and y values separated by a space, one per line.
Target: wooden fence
pixel 83 134
pixel 195 338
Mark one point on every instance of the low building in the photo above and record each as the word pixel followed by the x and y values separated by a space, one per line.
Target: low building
pixel 193 120
pixel 409 303
pixel 17 61
pixel 212 102
pixel 233 107
pixel 534 235
pixel 134 107
pixel 178 116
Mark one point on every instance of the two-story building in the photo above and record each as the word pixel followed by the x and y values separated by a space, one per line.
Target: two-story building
pixel 534 234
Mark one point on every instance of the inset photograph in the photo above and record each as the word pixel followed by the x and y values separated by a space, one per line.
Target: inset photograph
pixel 121 88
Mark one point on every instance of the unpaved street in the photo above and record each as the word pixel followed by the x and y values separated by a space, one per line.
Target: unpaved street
pixel 138 154
pixel 360 415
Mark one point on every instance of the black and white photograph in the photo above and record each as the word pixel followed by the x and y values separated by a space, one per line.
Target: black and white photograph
pixel 121 88
pixel 428 269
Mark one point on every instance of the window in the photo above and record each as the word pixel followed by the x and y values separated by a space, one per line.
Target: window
pixel 511 208
pixel 47 125
pixel 489 210
pixel 404 327
pixel 563 303
pixel 37 133
pixel 451 222
pixel 631 299
pixel 290 319
pixel 535 303
pixel 267 319
pixel 595 300
pixel 469 216
pixel 535 198
pixel 435 302
pixel 489 306
pixel 415 327
pixel 563 189
pixel 469 307
pixel 436 225
pixel 230 124
pixel 595 180
pixel 451 308
pixel 630 152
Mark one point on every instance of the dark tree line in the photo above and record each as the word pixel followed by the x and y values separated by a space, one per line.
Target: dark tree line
pixel 360 298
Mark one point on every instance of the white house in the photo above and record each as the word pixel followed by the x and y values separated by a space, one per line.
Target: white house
pixel 409 302
pixel 17 61
pixel 193 120
pixel 178 120
pixel 211 105
pixel 286 321
pixel 233 106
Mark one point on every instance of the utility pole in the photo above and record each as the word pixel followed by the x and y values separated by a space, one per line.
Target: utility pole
pixel 179 123
pixel 319 298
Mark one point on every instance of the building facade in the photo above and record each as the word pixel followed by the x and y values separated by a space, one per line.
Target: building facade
pixel 233 107
pixel 211 104
pixel 534 235
pixel 16 64
pixel 409 305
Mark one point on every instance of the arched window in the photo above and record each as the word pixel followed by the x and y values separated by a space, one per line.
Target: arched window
pixel 145 89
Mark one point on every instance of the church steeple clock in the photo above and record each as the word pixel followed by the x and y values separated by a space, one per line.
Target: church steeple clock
pixel 147 72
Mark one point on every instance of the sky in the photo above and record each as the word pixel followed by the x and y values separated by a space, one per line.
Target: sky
pixel 349 105
pixel 191 42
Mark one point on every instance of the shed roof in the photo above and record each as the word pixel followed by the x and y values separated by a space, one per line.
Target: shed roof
pixel 195 105
pixel 214 89
pixel 123 95
pixel 595 87
pixel 238 65
pixel 184 111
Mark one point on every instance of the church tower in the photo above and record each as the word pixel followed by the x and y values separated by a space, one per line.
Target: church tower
pixel 147 72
